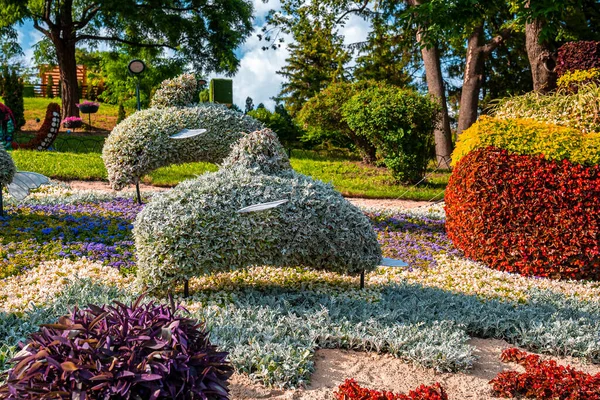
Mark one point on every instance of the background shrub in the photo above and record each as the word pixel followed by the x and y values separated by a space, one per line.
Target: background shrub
pixel 138 352
pixel 579 110
pixel 12 93
pixel 524 214
pixel 322 118
pixel 399 123
pixel 523 136
pixel 279 122
pixel 582 55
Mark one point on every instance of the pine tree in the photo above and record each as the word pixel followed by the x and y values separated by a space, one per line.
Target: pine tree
pixel 12 93
pixel 317 58
pixel 386 55
pixel 249 104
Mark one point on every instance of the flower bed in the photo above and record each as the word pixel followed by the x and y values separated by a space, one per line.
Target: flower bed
pixel 272 320
pixel 544 380
pixel 351 390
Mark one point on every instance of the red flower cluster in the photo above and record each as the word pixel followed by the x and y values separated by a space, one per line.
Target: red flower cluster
pixel 47 133
pixel 574 56
pixel 350 390
pixel 525 214
pixel 544 379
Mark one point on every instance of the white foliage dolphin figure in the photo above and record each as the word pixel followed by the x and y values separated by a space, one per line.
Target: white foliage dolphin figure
pixel 18 183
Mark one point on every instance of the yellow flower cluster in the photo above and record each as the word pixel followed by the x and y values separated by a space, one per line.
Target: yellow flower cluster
pixel 529 137
pixel 42 283
pixel 572 80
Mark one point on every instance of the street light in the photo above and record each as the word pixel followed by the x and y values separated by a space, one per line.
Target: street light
pixel 136 67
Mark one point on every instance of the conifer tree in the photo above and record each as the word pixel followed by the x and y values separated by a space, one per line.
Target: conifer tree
pixel 317 58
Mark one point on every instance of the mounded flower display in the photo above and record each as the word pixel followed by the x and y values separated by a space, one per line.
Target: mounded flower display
pixel 196 228
pixel 524 197
pixel 142 143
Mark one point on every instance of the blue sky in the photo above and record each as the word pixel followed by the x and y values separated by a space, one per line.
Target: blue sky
pixel 257 76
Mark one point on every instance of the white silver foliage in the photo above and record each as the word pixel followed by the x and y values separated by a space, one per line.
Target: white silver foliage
pixel 7 168
pixel 141 143
pixel 195 229
pixel 177 92
pixel 260 152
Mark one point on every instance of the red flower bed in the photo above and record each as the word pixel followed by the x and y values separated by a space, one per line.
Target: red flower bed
pixel 544 379
pixel 574 56
pixel 47 133
pixel 525 214
pixel 350 390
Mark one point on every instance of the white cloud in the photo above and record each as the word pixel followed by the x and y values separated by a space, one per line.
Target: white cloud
pixel 257 75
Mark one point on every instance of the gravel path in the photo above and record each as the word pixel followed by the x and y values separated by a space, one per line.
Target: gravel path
pixel 365 203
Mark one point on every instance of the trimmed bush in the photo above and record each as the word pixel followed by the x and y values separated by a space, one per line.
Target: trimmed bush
pixel 525 214
pixel 351 390
pixel 523 136
pixel 543 380
pixel 195 229
pixel 573 56
pixel 399 123
pixel 47 133
pixel 140 144
pixel 579 110
pixel 279 122
pixel 7 167
pixel 181 91
pixel 138 352
pixel 322 117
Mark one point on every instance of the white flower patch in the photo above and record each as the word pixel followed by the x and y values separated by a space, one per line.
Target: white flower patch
pixel 42 283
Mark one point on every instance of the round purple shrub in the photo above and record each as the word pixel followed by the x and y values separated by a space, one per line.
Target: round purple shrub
pixel 145 351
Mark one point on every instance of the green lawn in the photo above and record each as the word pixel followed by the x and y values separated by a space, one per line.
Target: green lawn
pixel 35 109
pixel 350 177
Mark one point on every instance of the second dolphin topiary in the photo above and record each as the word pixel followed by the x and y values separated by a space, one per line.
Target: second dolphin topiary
pixel 196 228
pixel 141 143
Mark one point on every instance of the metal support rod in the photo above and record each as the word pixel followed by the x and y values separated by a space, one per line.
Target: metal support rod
pixel 362 279
pixel 186 288
pixel 137 190
pixel 1 202
pixel 137 94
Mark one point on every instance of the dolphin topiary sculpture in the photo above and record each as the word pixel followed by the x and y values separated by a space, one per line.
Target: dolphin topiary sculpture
pixel 197 228
pixel 142 142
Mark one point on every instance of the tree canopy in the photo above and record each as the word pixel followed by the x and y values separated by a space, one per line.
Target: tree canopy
pixel 204 32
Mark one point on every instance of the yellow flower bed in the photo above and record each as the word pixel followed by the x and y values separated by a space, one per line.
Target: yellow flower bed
pixel 529 137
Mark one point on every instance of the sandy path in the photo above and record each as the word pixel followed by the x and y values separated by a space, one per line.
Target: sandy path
pixel 379 372
pixel 368 203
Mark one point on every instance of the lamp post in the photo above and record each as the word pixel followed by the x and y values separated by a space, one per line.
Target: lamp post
pixel 136 67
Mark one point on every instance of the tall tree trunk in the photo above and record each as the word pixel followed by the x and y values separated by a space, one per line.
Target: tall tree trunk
pixel 68 78
pixel 540 58
pixel 472 80
pixel 477 51
pixel 435 86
